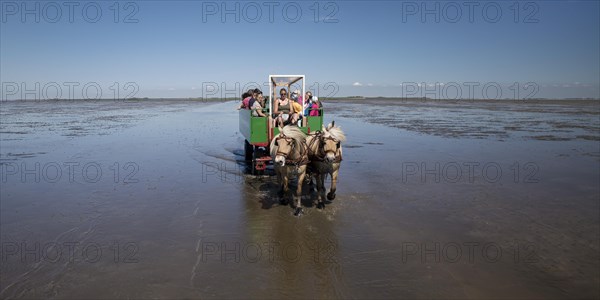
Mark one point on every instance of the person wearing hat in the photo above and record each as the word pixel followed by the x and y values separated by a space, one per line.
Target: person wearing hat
pixel 314 106
pixel 298 105
pixel 296 96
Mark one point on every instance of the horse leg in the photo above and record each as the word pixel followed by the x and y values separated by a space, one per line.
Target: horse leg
pixel 301 174
pixel 282 181
pixel 309 178
pixel 312 185
pixel 334 177
pixel 313 181
pixel 279 183
pixel 285 181
pixel 321 190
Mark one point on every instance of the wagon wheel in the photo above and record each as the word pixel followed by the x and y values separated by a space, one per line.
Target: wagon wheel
pixel 255 155
pixel 248 151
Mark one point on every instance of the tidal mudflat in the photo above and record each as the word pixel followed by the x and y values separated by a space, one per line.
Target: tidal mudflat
pixel 436 199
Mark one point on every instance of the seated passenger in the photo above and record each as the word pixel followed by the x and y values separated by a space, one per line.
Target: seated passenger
pixel 255 93
pixel 314 107
pixel 296 96
pixel 284 112
pixel 246 102
pixel 297 109
pixel 244 96
pixel 307 102
pixel 258 105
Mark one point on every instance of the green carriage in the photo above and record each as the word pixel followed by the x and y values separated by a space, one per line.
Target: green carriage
pixel 258 131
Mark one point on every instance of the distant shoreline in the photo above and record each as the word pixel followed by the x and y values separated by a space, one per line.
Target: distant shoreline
pixel 326 99
pixel 385 100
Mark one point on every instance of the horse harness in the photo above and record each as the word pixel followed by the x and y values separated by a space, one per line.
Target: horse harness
pixel 302 160
pixel 321 153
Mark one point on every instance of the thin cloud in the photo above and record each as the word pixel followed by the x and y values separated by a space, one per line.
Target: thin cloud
pixel 357 84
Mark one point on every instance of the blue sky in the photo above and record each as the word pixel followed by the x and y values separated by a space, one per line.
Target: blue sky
pixel 372 48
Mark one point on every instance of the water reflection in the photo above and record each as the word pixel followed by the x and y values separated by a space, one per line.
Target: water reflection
pixel 301 252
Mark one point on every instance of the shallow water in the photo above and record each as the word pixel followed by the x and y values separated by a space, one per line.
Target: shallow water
pixel 152 201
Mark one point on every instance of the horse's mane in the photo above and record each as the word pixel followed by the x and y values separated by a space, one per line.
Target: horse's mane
pixel 291 131
pixel 295 133
pixel 336 133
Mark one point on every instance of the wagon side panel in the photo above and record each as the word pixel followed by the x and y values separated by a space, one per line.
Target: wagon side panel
pixel 259 133
pixel 245 129
pixel 314 123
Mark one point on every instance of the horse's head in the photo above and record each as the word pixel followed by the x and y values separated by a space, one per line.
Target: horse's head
pixel 330 146
pixel 331 141
pixel 283 146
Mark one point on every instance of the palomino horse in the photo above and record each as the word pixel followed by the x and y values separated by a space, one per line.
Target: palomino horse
pixel 290 156
pixel 325 154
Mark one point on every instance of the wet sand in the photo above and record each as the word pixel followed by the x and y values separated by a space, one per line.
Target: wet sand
pixel 435 199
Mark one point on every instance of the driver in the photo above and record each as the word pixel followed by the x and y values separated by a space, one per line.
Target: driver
pixel 284 112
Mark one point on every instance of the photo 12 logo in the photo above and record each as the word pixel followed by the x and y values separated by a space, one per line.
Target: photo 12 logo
pixel 73 172
pixel 469 252
pixel 269 11
pixel 70 90
pixel 70 252
pixel 68 11
pixel 254 252
pixel 454 172
pixel 470 90
pixel 226 91
pixel 469 11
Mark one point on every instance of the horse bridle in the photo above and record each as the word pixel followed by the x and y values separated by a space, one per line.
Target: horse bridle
pixel 337 143
pixel 287 139
pixel 303 157
pixel 321 153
